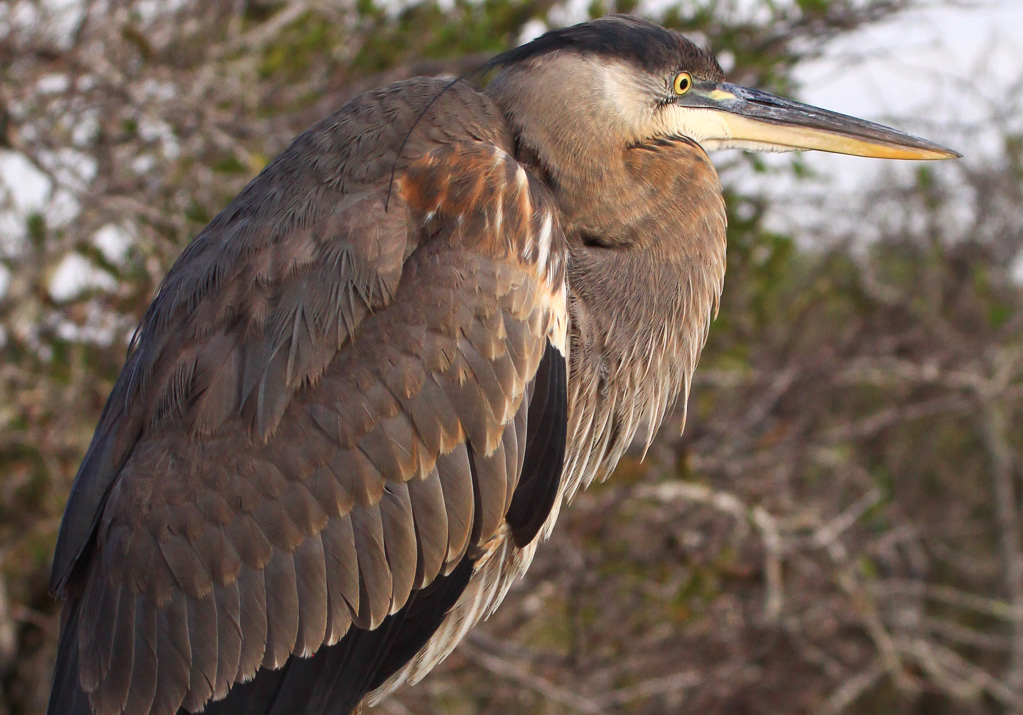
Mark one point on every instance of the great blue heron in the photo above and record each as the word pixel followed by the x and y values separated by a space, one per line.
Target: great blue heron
pixel 341 430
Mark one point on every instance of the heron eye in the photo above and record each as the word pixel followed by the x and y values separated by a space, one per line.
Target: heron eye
pixel 683 83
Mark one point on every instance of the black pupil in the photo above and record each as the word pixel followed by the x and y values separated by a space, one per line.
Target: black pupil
pixel 683 83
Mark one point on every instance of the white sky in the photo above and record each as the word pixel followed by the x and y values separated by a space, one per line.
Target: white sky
pixel 931 71
pixel 950 74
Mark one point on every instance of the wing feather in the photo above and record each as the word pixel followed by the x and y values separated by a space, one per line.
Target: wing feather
pixel 311 578
pixel 321 425
pixel 275 521
pixel 430 516
pixel 489 483
pixel 97 619
pixel 112 692
pixel 142 689
pixel 342 573
pixel 434 417
pixel 357 476
pixel 281 609
pixel 249 541
pixel 329 494
pixel 202 639
pixel 174 653
pixel 399 542
pixel 455 477
pixel 486 383
pixel 218 384
pixel 229 636
pixel 374 573
pixel 252 604
pixel 338 614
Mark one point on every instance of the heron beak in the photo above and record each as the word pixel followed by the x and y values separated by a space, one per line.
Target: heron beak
pixel 751 119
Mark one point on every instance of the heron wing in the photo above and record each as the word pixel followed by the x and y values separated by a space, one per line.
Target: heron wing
pixel 339 394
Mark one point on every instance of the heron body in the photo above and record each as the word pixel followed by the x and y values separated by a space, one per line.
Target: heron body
pixel 365 390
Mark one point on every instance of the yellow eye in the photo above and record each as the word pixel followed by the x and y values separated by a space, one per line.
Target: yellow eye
pixel 683 83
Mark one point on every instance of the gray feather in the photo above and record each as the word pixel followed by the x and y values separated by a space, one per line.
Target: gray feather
pixel 229 636
pixel 281 609
pixel 374 573
pixel 252 605
pixel 399 542
pixel 174 654
pixel 202 637
pixel 456 480
pixel 311 577
pixel 430 516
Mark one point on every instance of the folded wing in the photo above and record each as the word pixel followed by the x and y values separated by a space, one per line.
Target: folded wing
pixel 331 405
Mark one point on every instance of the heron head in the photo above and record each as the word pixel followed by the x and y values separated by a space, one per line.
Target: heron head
pixel 623 80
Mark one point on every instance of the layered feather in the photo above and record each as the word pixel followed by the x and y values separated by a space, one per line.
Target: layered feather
pixel 324 414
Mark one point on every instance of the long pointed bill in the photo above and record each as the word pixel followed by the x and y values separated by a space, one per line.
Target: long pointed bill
pixel 751 119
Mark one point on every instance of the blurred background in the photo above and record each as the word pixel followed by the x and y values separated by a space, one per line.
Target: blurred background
pixel 837 531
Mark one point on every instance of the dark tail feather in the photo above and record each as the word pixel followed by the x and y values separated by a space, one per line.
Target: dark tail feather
pixel 337 678
pixel 546 435
pixel 66 694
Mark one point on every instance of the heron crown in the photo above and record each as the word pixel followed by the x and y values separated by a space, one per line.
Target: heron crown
pixel 621 37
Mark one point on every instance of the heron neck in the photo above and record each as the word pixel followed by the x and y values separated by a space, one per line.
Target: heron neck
pixel 659 252
pixel 640 312
pixel 576 146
